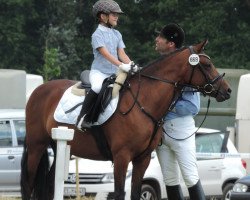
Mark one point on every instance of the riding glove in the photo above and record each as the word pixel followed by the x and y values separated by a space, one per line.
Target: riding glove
pixel 125 67
pixel 131 66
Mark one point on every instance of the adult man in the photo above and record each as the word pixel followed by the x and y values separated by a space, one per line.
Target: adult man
pixel 177 152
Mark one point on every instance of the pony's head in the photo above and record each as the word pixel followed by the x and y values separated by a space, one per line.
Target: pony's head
pixel 204 76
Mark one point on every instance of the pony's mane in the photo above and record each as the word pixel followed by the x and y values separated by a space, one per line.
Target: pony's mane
pixel 164 56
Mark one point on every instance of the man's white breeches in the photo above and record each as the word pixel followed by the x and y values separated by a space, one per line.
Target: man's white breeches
pixel 175 156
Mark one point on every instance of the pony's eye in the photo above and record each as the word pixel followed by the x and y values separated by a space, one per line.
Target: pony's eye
pixel 208 65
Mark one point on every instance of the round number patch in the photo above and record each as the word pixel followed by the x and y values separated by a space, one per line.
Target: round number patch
pixel 194 59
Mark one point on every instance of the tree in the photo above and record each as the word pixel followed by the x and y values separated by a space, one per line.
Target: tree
pixel 19 34
pixel 224 23
pixel 66 25
pixel 60 36
pixel 51 67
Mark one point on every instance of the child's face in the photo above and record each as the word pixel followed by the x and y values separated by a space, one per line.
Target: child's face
pixel 113 19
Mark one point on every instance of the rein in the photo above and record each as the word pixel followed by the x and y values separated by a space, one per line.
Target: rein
pixel 209 86
pixel 206 89
pixel 181 139
pixel 157 123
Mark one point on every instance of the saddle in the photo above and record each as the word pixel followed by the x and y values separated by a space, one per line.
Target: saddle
pixel 110 89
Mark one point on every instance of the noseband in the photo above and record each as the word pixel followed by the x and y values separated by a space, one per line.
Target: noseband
pixel 208 88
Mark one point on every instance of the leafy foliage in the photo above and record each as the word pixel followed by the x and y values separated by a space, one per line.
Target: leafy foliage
pixel 51 67
pixel 19 38
pixel 56 34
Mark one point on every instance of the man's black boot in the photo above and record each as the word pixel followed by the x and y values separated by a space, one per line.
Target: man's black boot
pixel 196 192
pixel 174 192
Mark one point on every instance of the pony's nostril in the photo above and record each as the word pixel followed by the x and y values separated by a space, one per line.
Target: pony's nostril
pixel 229 90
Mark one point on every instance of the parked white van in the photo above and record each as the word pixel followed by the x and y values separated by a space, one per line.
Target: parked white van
pixel 15 88
pixel 217 174
pixel 32 82
pixel 12 133
pixel 96 177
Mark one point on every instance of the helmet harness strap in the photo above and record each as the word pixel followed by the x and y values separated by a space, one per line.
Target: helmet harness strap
pixel 106 21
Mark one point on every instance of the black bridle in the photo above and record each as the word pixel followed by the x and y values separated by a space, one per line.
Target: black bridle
pixel 206 89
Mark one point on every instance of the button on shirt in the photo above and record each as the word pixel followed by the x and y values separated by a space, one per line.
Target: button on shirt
pixel 111 39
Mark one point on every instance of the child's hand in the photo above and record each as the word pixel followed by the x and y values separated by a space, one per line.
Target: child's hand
pixel 125 67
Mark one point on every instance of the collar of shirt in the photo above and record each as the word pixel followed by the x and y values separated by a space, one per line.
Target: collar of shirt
pixel 103 28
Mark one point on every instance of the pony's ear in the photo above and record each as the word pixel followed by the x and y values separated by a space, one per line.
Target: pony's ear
pixel 200 47
pixel 205 42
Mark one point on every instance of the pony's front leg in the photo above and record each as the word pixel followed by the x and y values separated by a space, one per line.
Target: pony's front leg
pixel 120 171
pixel 139 168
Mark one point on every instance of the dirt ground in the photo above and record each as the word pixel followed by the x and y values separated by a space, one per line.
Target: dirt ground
pixel 82 198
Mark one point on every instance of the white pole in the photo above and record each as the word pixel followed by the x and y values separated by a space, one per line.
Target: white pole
pixel 77 181
pixel 66 165
pixel 62 135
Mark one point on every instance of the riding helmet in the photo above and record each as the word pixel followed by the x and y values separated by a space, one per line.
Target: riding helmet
pixel 173 32
pixel 106 6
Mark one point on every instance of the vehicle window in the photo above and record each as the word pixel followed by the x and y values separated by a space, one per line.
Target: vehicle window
pixel 20 131
pixel 5 134
pixel 209 143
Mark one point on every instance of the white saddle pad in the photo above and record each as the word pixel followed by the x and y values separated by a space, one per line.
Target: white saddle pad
pixel 69 100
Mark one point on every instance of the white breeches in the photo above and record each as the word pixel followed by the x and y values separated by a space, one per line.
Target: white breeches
pixel 96 79
pixel 175 156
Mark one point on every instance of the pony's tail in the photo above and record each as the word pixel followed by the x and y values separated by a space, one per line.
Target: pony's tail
pixel 40 190
pixel 41 184
pixel 25 190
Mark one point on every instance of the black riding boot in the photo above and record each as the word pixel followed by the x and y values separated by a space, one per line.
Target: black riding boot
pixel 174 192
pixel 86 107
pixel 196 192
